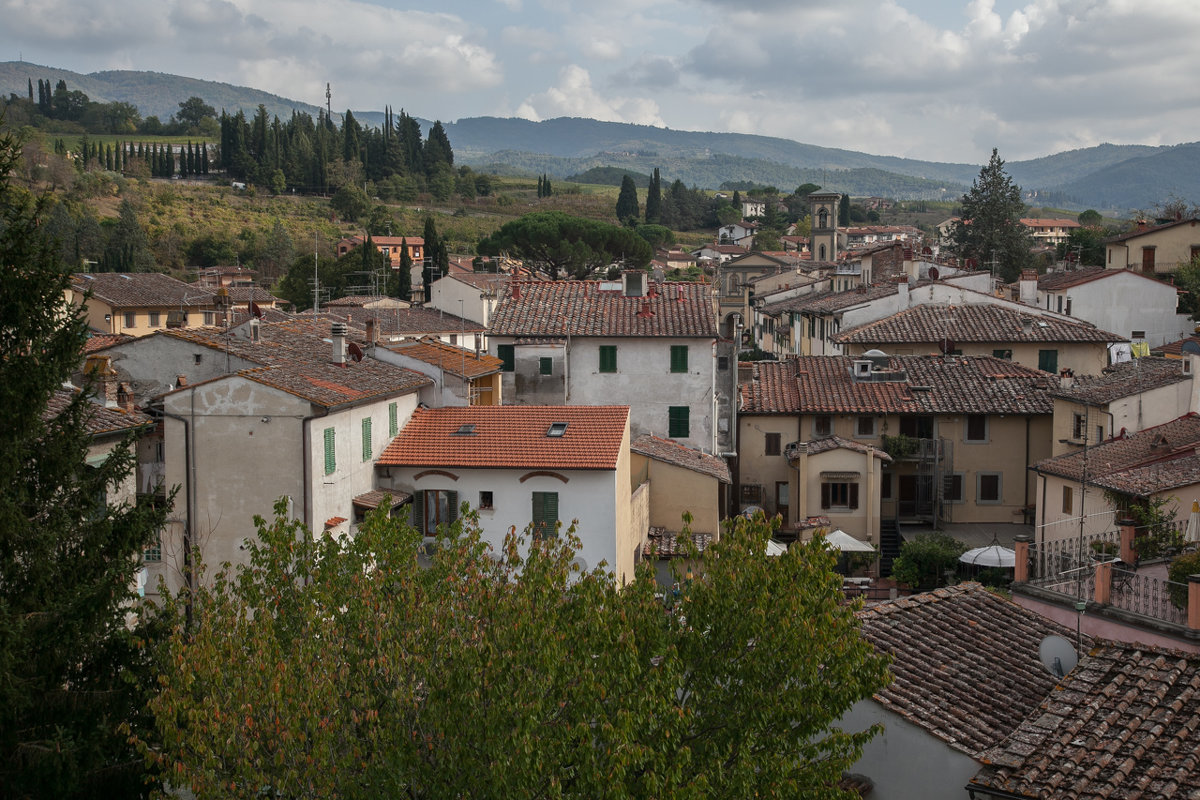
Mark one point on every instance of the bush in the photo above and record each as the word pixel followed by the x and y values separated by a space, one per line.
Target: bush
pixel 924 560
pixel 1181 567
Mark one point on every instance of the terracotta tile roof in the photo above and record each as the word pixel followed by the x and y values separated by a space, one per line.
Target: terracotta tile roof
pixel 586 308
pixel 510 437
pixel 1151 229
pixel 1153 460
pixel 455 360
pixel 353 300
pixel 829 301
pixel 99 341
pixel 409 321
pixel 1039 222
pixel 244 294
pixel 482 280
pixel 1176 348
pixel 1124 379
pixel 101 419
pixel 926 385
pixel 672 452
pixel 1056 281
pixel 1125 723
pixel 965 662
pixel 929 323
pixel 142 289
pixel 663 543
pixel 373 498
pixel 824 445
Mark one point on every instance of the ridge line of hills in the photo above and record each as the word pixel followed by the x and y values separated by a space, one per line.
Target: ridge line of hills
pixel 1110 178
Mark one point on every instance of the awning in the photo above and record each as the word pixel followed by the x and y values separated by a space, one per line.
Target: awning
pixel 371 500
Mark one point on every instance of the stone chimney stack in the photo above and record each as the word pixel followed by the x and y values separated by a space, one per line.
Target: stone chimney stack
pixel 338 332
pixel 901 292
pixel 101 370
pixel 1029 281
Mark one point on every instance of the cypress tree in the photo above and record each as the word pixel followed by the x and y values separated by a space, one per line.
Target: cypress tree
pixel 204 158
pixel 546 179
pixel 30 88
pixel 654 200
pixel 627 202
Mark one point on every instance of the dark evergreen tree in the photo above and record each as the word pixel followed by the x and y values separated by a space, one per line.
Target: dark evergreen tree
pixel 30 88
pixel 546 185
pixel 989 229
pixel 627 203
pixel 437 149
pixel 844 211
pixel 71 671
pixel 400 284
pixel 539 189
pixel 737 202
pixel 204 158
pixel 654 199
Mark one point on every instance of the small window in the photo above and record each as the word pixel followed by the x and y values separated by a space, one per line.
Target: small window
pixel 154 319
pixel 678 426
pixel 885 486
pixel 1067 500
pixel 679 358
pixel 507 357
pixel 1078 422
pixel 952 488
pixel 330 451
pixel 1137 335
pixel 466 429
pixel 977 428
pixel 987 488
pixel 545 365
pixel 366 439
pixel 864 427
pixel 1005 354
pixel 771 446
pixel 1048 361
pixel 608 358
pixel 485 501
pixel 153 551
pixel 722 363
pixel 835 495
pixel 130 319
pixel 557 429
pixel 822 426
pixel 197 358
pixel 210 318
pixel 432 508
pixel 1099 434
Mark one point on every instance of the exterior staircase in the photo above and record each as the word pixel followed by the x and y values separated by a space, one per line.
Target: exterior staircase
pixel 889 545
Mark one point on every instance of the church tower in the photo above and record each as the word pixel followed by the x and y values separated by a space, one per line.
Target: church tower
pixel 823 206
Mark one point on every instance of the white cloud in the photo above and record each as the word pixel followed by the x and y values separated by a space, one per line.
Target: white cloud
pixel 574 96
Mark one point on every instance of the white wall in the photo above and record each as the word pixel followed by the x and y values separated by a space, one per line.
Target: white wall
pixel 447 293
pixel 1106 304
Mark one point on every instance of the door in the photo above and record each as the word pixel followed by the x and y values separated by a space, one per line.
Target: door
pixel 907 499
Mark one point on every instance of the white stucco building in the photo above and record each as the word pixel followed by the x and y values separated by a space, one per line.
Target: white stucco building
pixel 1103 297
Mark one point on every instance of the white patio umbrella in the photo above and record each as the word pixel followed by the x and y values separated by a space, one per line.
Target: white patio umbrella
pixel 1193 525
pixel 840 540
pixel 775 548
pixel 991 556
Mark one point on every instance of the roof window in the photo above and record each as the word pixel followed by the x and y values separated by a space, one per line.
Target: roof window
pixel 557 429
pixel 466 429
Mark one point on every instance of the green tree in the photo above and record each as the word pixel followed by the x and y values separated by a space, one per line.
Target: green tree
pixel 347 669
pixel 193 111
pixel 400 281
pixel 989 226
pixel 559 243
pixel 654 199
pixel 627 203
pixel 277 253
pixel 437 149
pixel 127 248
pixel 656 235
pixel 1090 218
pixel 924 560
pixel 350 201
pixel 1187 278
pixel 71 671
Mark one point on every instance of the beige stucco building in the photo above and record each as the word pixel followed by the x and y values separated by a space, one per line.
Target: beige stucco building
pixel 140 303
pixel 1154 248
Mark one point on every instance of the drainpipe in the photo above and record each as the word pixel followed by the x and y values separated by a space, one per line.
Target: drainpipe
pixel 714 405
pixel 189 494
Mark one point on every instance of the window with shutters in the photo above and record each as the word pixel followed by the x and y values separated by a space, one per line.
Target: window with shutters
pixel 822 426
pixel 772 444
pixel 1078 426
pixel 885 486
pixel 608 358
pixel 545 514
pixel 987 489
pixel 952 488
pixel 1067 500
pixel 839 495
pixel 507 357
pixel 393 420
pixel 366 439
pixel 678 426
pixel 679 358
pixel 130 319
pixel 1048 361
pixel 864 427
pixel 433 507
pixel 155 319
pixel 330 451
pixel 977 428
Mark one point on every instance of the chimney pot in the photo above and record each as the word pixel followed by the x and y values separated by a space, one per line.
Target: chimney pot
pixel 181 380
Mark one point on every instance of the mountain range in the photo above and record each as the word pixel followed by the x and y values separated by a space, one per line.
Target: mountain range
pixel 1111 178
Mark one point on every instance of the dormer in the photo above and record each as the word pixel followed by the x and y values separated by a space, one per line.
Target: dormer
pixel 633 283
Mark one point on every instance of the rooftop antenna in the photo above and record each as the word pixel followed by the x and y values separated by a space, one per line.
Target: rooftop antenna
pixel 316 275
pixel 328 98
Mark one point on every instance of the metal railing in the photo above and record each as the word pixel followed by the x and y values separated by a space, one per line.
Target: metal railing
pixel 1148 596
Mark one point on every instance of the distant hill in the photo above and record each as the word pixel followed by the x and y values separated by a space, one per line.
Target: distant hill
pixel 1110 178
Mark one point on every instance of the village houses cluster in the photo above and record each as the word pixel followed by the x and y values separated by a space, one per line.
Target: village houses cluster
pixel 892 389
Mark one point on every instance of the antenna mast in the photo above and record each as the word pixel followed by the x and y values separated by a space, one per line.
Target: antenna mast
pixel 328 108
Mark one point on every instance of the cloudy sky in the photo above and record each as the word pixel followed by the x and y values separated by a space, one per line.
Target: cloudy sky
pixel 941 80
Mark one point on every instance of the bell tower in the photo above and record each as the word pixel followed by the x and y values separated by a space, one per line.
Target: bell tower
pixel 823 243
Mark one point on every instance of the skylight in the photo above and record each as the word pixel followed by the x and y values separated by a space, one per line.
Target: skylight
pixel 557 429
pixel 466 429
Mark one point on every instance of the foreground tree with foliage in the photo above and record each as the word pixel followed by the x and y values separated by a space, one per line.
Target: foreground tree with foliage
pixel 989 226
pixel 347 668
pixel 924 560
pixel 559 243
pixel 69 666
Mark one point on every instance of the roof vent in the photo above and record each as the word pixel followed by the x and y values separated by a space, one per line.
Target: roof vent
pixel 862 368
pixel 645 311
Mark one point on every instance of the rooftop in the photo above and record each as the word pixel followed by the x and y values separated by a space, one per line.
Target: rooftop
pixel 454 360
pixel 101 420
pixel 671 452
pixel 1144 230
pixel 924 385
pixel 1124 379
pixel 142 289
pixel 965 662
pixel 592 308
pixel 409 321
pixel 1125 723
pixel 508 437
pixel 930 323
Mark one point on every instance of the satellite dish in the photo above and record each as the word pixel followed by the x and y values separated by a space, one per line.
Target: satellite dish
pixel 1058 655
pixel 255 310
pixel 946 346
pixel 580 564
pixel 355 351
pixel 1190 346
pixel 934 272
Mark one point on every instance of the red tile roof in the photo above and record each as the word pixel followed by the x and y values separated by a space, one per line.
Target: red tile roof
pixel 1125 723
pixel 1151 229
pixel 672 452
pixel 409 321
pixel 1125 379
pixel 99 341
pixel 101 420
pixel 455 360
pixel 510 437
pixel 588 308
pixel 1176 348
pixel 142 290
pixel 965 662
pixel 929 323
pixel 924 385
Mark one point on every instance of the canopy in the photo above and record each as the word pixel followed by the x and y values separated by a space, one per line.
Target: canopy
pixel 991 556
pixel 775 548
pixel 840 540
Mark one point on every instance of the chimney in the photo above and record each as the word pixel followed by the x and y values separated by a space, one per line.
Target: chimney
pixel 125 398
pixel 372 333
pixel 902 291
pixel 101 370
pixel 255 334
pixel 516 291
pixel 1066 377
pixel 338 331
pixel 180 381
pixel 645 311
pixel 1029 280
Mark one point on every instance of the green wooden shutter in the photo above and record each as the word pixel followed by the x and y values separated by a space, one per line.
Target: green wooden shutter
pixel 330 451
pixel 546 366
pixel 418 511
pixel 393 420
pixel 824 495
pixel 608 358
pixel 854 495
pixel 677 422
pixel 679 358
pixel 452 505
pixel 545 513
pixel 507 357
pixel 366 439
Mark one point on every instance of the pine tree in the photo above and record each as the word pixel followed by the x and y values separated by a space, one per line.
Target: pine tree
pixel 539 187
pixel 654 199
pixel 71 672
pixel 989 228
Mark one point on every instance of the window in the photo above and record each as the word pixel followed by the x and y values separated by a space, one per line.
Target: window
pixel 839 495
pixel 1048 361
pixel 1067 500
pixel 822 426
pixel 1006 354
pixel 507 359
pixel 434 507
pixel 864 427
pixel 917 427
pixel 771 445
pixel 952 488
pixel 1077 426
pixel 366 439
pixel 545 514
pixel 608 358
pixel 485 501
pixel 677 422
pixel 153 551
pixel 782 501
pixel 393 420
pixel 130 319
pixel 722 363
pixel 987 487
pixel 1099 434
pixel 977 428
pixel 679 358
pixel 885 486
pixel 545 365
pixel 1148 259
pixel 154 319
pixel 330 451
pixel 1059 303
pixel 210 318
pixel 1137 334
